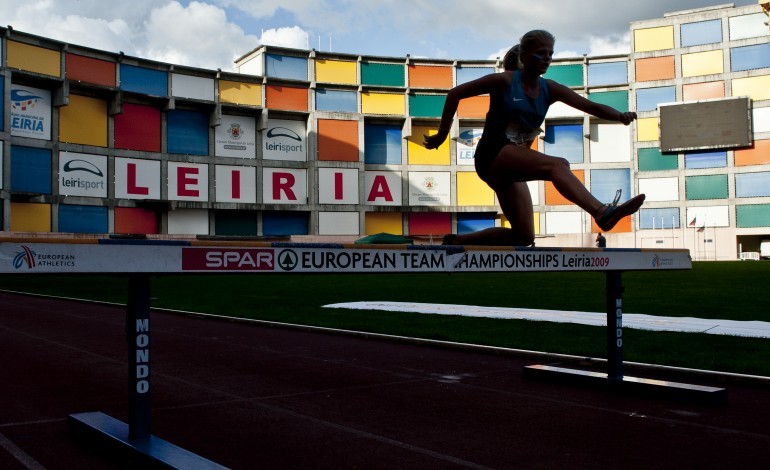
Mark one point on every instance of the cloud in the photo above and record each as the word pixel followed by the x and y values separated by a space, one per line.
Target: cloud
pixel 295 37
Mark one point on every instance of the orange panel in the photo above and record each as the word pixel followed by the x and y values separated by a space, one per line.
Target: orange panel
pixel 553 197
pixel 474 107
pixel 430 76
pixel 758 154
pixel 286 97
pixel 87 69
pixel 337 140
pixel 703 91
pixel 623 226
pixel 655 68
pixel 135 220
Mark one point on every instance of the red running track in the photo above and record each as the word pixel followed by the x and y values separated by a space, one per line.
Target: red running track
pixel 249 396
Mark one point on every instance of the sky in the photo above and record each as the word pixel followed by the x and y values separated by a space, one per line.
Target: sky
pixel 211 34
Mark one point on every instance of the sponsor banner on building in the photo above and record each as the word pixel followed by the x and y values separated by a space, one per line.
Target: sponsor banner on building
pixel 338 185
pixel 137 179
pixel 285 140
pixel 188 181
pixel 236 184
pixel 284 186
pixel 30 112
pixel 236 136
pixel 429 188
pixel 1 163
pixel 82 174
pixel 383 188
pixel 466 144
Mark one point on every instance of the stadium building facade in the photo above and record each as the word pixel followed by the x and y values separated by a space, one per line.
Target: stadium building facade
pixel 320 145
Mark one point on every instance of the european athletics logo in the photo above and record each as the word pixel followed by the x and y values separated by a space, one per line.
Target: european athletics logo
pixel 25 256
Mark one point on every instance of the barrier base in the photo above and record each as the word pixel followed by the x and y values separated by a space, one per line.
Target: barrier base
pixel 674 390
pixel 151 452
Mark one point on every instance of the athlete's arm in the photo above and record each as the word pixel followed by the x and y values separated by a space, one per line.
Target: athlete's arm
pixel 561 93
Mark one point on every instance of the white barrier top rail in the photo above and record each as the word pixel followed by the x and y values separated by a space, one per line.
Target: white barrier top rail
pixel 105 255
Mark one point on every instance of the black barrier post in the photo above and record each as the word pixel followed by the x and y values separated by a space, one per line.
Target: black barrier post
pixel 138 337
pixel 614 296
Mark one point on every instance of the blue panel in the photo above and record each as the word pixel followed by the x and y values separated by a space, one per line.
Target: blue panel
pixel 382 144
pixel 188 132
pixel 665 217
pixel 565 141
pixel 284 223
pixel 82 219
pixel 30 170
pixel 648 99
pixel 752 184
pixel 280 66
pixel 604 183
pixel 143 80
pixel 466 74
pixel 608 73
pixel 702 32
pixel 2 102
pixel 336 101
pixel 717 159
pixel 468 222
pixel 750 57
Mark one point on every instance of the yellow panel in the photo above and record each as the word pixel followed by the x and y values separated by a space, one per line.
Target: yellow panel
pixel 336 71
pixel 536 219
pixel 654 39
pixel 34 59
pixel 758 88
pixel 383 222
pixel 383 103
pixel 27 217
pixel 472 191
pixel 702 63
pixel 419 155
pixel 83 121
pixel 240 93
pixel 647 129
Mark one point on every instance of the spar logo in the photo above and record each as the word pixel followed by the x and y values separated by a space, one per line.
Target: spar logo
pixel 288 260
pixel 23 100
pixel 227 259
pixel 25 256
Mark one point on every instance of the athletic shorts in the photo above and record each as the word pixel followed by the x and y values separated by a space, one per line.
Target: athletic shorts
pixel 487 150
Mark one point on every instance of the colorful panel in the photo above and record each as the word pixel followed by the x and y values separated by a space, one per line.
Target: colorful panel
pixel 188 222
pixel 604 184
pixel 472 191
pixel 706 187
pixel 748 216
pixel 419 155
pixel 84 121
pixel 337 140
pixel 189 86
pixel 654 39
pixel 286 97
pixel 563 222
pixel 467 74
pixel 430 76
pixel 610 142
pixel 336 71
pixel 82 219
pixel 235 223
pixel 30 170
pixel 703 91
pixel 436 224
pixel 748 26
pixel 383 103
pixel 382 144
pixel 568 75
pixel 138 128
pixel 30 112
pixel 2 103
pixel 475 107
pixel 426 105
pixel 650 159
pixel 757 88
pixel 660 218
pixel 337 101
pixel 281 66
pixel 660 189
pixel 87 69
pixel 143 80
pixel 752 184
pixel 564 140
pixel 758 154
pixel 655 68
pixel 702 32
pixel 28 217
pixel 187 132
pixel 623 226
pixel 377 74
pixel 708 159
pixel 607 73
pixel 338 186
pixel 277 223
pixel 648 99
pixel 383 188
pixel 614 99
pixel 249 94
pixel 702 63
pixel 647 129
pixel 553 197
pixel 383 222
pixel 338 223
pixel 135 220
pixel 33 58
pixel 469 222
pixel 750 57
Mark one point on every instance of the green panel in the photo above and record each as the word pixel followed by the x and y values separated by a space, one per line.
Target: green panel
pixel 614 99
pixel 382 74
pixel 235 223
pixel 651 159
pixel 426 105
pixel 706 187
pixel 567 75
pixel 752 215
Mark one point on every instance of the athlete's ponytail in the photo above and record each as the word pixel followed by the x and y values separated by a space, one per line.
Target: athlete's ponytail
pixel 511 60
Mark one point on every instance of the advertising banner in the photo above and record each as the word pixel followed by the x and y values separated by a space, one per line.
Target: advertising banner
pixel 236 184
pixel 188 181
pixel 137 179
pixel 466 144
pixel 81 174
pixel 30 112
pixel 383 188
pixel 285 140
pixel 236 136
pixel 429 188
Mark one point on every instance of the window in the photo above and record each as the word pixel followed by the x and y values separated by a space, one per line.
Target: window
pixel 702 32
pixel 292 68
pixel 566 141
pixel 752 184
pixel 607 73
pixel 382 144
pixel 650 159
pixel 336 101
pixel 605 183
pixel 661 218
pixel 750 57
pixel 706 187
pixel 466 74
pixel 648 99
pixel 705 160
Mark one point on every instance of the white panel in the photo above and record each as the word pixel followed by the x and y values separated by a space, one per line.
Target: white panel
pixel 466 144
pixel 284 186
pixel 1 161
pixel 236 184
pixel 760 120
pixel 338 185
pixel 81 174
pixel 429 188
pixel 561 110
pixel 383 188
pixel 714 216
pixel 236 136
pixel 610 143
pixel 188 181
pixel 748 26
pixel 338 223
pixel 253 66
pixel 188 222
pixel 563 222
pixel 285 140
pixel 534 191
pixel 30 112
pixel 137 179
pixel 660 189
pixel 187 86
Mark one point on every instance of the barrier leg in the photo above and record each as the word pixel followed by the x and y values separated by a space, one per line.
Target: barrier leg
pixel 138 338
pixel 614 302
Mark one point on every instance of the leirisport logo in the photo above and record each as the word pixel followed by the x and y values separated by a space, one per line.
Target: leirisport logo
pixel 82 165
pixel 283 132
pixel 25 256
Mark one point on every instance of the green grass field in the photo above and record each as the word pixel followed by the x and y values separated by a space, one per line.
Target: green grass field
pixel 723 290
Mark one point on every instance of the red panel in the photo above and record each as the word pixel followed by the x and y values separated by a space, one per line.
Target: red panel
pixel 87 69
pixel 135 220
pixel 138 128
pixel 430 223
